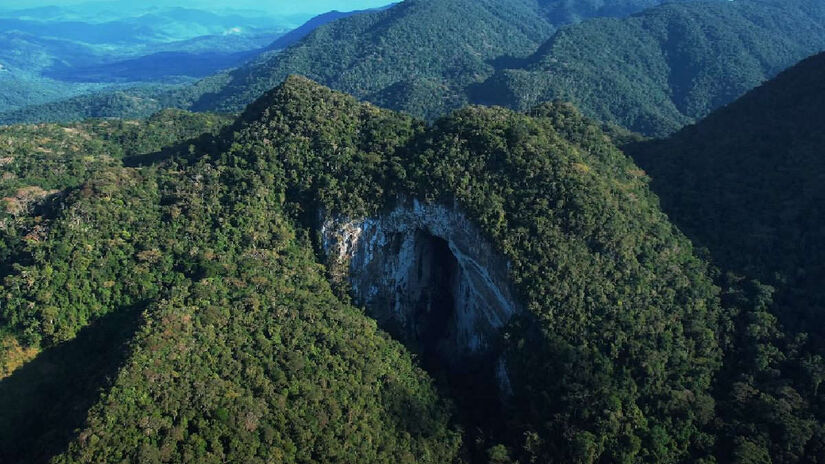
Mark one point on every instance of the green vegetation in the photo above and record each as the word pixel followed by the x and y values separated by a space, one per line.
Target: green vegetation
pixel 652 72
pixel 48 398
pixel 249 357
pixel 52 156
pixel 667 66
pixel 41 170
pixel 23 57
pixel 231 293
pixel 136 102
pixel 746 183
pixel 229 344
pixel 592 257
pixel 42 163
pixel 21 89
pixel 163 296
pixel 245 354
pixel 417 43
pixel 417 57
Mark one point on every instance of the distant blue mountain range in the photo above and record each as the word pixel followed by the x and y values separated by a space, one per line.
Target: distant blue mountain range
pixel 53 52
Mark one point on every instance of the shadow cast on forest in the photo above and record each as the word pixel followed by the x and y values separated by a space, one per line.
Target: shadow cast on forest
pixel 47 399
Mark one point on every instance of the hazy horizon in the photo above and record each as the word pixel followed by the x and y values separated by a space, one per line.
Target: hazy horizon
pixel 272 7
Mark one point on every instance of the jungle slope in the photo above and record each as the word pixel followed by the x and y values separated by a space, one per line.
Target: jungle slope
pixel 746 183
pixel 666 67
pixel 591 256
pixel 625 351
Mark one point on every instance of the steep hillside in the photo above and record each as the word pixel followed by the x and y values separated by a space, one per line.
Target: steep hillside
pixel 209 247
pixel 318 279
pixel 652 72
pixel 541 306
pixel 747 183
pixel 246 354
pixel 572 11
pixel 419 56
pixel 417 41
pixel 668 66
pixel 305 29
pixel 305 376
pixel 49 80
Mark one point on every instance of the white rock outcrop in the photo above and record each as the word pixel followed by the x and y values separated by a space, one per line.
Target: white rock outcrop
pixel 425 272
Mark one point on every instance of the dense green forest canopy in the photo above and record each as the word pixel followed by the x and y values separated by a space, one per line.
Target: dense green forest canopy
pixel 620 357
pixel 21 90
pixel 314 378
pixel 663 68
pixel 39 161
pixel 552 193
pixel 747 183
pixel 420 56
pixel 652 72
pixel 132 103
pixel 165 296
pixel 151 242
pixel 417 45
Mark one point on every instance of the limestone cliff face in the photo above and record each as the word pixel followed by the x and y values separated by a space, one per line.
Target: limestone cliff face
pixel 426 274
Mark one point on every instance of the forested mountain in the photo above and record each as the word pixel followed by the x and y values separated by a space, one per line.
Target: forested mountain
pixel 52 80
pixel 668 66
pixel 305 29
pixel 243 352
pixel 418 56
pixel 747 183
pixel 23 89
pixel 417 49
pixel 202 276
pixel 318 279
pixel 652 72
pixel 132 102
pixel 22 59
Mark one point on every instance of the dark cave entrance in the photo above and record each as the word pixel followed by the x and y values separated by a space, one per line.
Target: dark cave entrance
pixel 435 284
pixel 434 312
pixel 468 378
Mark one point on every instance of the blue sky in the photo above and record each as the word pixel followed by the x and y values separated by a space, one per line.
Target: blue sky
pixel 272 6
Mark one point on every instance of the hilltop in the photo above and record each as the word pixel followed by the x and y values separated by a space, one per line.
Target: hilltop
pixel 213 248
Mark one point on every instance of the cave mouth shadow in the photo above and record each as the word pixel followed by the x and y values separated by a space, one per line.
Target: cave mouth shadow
pixel 46 400
pixel 467 377
pixel 434 312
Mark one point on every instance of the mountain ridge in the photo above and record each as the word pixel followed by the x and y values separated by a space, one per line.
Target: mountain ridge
pixel 303 148
pixel 320 279
pixel 440 61
pixel 664 67
pixel 753 169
